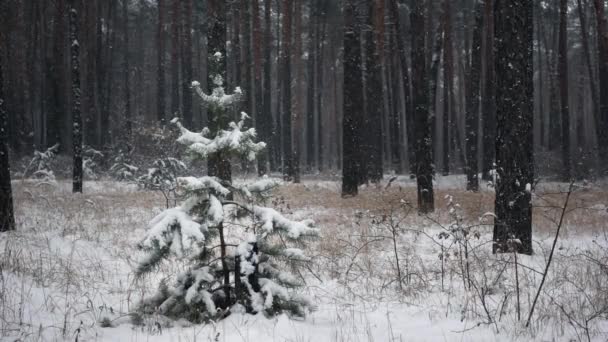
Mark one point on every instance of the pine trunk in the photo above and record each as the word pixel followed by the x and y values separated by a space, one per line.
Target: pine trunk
pixel 473 88
pixel 489 99
pixel 423 143
pixel 563 89
pixel 7 217
pixel 353 102
pixel 187 63
pixel 515 113
pixel 160 59
pixel 288 171
pixel 602 36
pixel 76 115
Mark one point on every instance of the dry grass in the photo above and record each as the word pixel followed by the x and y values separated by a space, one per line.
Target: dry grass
pixel 587 210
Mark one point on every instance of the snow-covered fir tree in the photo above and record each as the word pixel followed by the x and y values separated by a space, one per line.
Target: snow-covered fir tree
pixel 240 254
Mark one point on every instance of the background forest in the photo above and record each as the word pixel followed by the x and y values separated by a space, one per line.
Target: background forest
pixel 139 57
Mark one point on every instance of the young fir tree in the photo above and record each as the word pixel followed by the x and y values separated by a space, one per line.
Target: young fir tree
pixel 237 250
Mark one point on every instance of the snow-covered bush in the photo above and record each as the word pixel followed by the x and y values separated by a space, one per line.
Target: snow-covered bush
pixel 122 169
pixel 90 162
pixel 163 176
pixel 39 166
pixel 238 252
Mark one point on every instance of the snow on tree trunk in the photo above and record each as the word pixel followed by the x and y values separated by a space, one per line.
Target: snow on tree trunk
pixel 514 139
pixel 76 115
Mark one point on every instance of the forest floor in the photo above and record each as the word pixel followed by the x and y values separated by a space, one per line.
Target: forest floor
pixel 67 272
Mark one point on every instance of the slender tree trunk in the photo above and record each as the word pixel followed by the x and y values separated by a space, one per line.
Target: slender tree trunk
pixel 297 114
pixel 446 118
pixel 261 117
pixel 372 156
pixel 175 43
pixel 489 100
pixel 602 36
pixel 58 93
pixel 187 63
pixel 7 217
pixel 563 89
pixel 449 117
pixel 514 140
pixel 405 77
pixel 160 59
pixel 266 119
pixel 424 145
pixel 127 73
pixel 288 158
pixel 76 116
pixel 353 102
pixel 587 52
pixel 473 89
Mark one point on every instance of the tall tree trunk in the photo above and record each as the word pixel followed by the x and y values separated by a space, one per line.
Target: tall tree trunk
pixel 423 143
pixel 563 88
pixel 602 37
pixel 587 52
pixel 353 101
pixel 58 94
pixel 515 112
pixel 297 114
pixel 449 82
pixel 127 73
pixel 175 44
pixel 473 89
pixel 266 121
pixel 372 146
pixel 261 118
pixel 489 99
pixel 405 77
pixel 76 116
pixel 160 58
pixel 7 217
pixel 187 63
pixel 288 160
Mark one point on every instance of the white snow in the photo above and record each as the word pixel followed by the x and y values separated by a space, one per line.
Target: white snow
pixel 70 262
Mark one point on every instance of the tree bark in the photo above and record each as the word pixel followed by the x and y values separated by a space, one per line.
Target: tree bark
pixel 563 89
pixel 288 158
pixel 187 63
pixel 513 40
pixel 489 99
pixel 175 43
pixel 7 217
pixel 127 73
pixel 423 143
pixel 353 102
pixel 407 98
pixel 602 37
pixel 372 146
pixel 76 115
pixel 160 59
pixel 473 88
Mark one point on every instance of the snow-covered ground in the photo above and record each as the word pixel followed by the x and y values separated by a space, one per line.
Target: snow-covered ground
pixel 67 272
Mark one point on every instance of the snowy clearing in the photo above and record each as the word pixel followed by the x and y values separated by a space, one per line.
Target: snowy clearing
pixel 67 272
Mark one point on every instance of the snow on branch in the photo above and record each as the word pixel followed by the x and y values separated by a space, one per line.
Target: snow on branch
pixel 272 219
pixel 205 183
pixel 218 96
pixel 234 140
pixel 174 229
